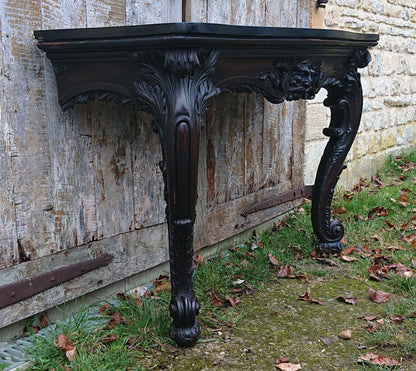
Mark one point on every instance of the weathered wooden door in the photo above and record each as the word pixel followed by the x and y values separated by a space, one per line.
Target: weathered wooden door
pixel 79 183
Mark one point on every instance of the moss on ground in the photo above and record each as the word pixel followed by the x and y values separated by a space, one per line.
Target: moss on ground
pixel 276 323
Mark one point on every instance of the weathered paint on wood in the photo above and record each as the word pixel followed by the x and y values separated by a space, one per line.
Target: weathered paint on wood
pixel 150 242
pixel 68 179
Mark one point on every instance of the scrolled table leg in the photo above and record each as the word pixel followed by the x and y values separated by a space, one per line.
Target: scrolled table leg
pixel 345 100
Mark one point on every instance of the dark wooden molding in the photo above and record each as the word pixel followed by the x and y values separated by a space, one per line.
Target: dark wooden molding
pixel 173 70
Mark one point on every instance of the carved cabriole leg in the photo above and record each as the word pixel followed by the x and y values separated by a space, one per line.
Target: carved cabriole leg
pixel 345 100
pixel 175 87
pixel 180 169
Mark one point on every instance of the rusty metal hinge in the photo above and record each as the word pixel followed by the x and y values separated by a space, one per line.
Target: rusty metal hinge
pixel 17 291
pixel 305 191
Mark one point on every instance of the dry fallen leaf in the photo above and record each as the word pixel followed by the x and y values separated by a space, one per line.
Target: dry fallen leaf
pixel 109 338
pixel 214 299
pixel 349 250
pixel 232 301
pixel 105 309
pixel 280 225
pixel 404 198
pixel 379 296
pixel 44 320
pixel 305 296
pixel 378 211
pixel 409 238
pixel 398 319
pixel 377 360
pixel 286 366
pixel 273 259
pixel 284 271
pixel 397 247
pixel 65 345
pixel 282 360
pixel 373 327
pixel 198 260
pixel 339 210
pixel 316 301
pixel 352 300
pixel 389 224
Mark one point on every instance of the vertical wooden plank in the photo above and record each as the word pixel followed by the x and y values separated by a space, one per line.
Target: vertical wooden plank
pixel 153 11
pixel 299 112
pixel 289 14
pixel 230 113
pixel 272 113
pixel 106 13
pixel 278 126
pixel 196 11
pixel 254 143
pixel 254 115
pixel 149 203
pixel 113 168
pixel 27 128
pixel 73 209
pixel 218 11
pixel 111 141
pixel 8 231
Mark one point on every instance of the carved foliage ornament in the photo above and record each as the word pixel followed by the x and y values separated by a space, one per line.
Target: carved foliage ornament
pixel 296 79
pixel 172 75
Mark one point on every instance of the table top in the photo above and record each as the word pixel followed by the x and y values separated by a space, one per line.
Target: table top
pixel 201 34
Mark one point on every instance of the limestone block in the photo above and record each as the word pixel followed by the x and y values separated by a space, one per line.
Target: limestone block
pixel 350 3
pixel 374 68
pixel 412 65
pixel 388 138
pixel 360 146
pixel 409 134
pixel 317 118
pixel 313 153
pixel 373 141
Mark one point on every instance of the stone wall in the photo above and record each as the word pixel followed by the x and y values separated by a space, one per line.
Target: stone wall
pixel 389 84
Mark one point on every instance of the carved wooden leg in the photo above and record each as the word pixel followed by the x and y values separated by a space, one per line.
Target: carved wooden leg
pixel 175 87
pixel 345 101
pixel 180 171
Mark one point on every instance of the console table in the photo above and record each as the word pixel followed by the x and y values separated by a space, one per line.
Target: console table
pixel 173 70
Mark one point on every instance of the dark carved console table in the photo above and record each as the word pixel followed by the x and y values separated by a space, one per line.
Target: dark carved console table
pixel 172 70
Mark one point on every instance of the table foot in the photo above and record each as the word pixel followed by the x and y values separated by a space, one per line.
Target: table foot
pixel 185 331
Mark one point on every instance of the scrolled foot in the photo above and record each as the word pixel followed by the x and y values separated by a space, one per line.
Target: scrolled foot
pixel 185 331
pixel 329 247
pixel 186 337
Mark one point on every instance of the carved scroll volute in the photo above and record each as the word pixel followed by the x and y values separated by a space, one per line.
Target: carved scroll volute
pixel 345 100
pixel 175 87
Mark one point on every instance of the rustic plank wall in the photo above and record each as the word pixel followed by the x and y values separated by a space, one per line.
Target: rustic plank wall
pixel 79 183
pixel 254 149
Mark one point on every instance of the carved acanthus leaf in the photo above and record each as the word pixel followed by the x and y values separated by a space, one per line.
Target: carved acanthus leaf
pixel 295 79
pixel 164 74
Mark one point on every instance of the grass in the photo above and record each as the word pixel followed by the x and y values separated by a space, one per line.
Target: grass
pixel 377 214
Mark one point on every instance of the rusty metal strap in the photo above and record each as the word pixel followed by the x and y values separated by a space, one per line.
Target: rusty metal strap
pixel 305 191
pixel 17 291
